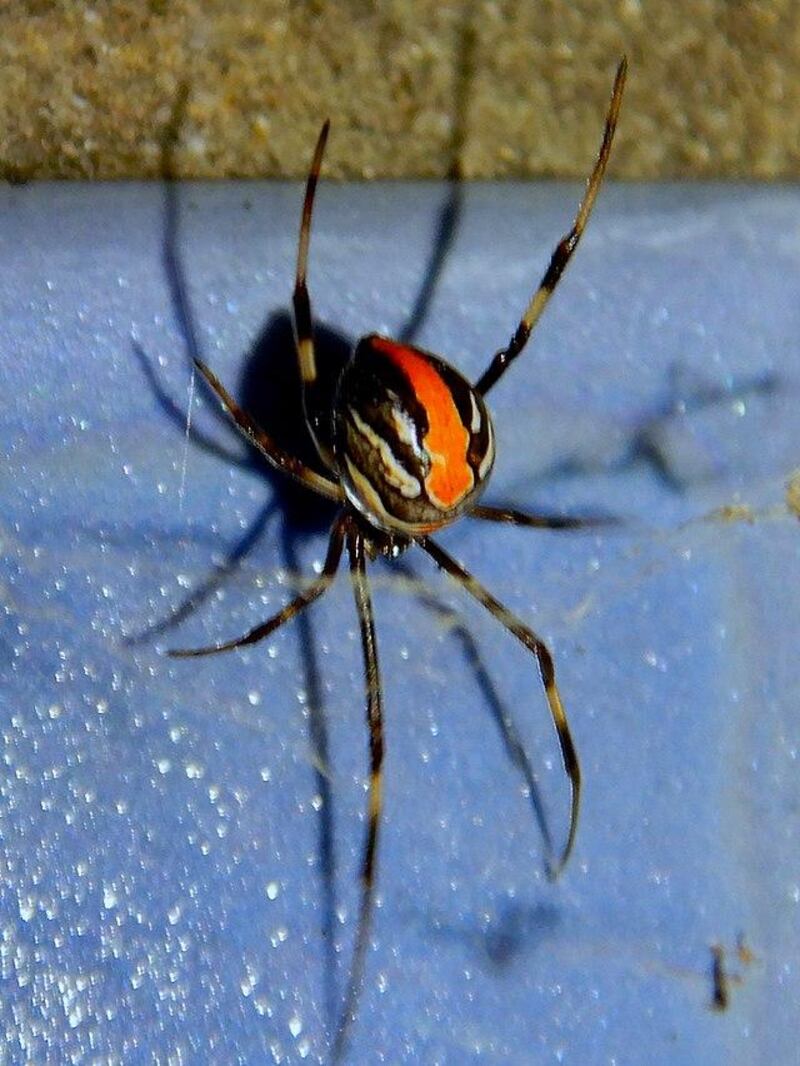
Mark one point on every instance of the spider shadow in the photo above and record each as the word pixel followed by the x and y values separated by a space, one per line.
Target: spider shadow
pixel 684 395
pixel 647 442
pixel 270 390
pixel 515 929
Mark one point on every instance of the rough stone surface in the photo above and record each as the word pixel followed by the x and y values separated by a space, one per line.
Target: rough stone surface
pixel 509 87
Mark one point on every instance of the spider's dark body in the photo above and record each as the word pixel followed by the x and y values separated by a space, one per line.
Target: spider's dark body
pixel 407 447
pixel 413 440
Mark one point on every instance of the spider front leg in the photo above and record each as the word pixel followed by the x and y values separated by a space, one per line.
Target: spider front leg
pixel 321 585
pixel 547 671
pixel 564 249
pixel 358 570
pixel 272 452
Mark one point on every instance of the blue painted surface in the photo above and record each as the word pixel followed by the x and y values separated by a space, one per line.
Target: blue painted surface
pixel 164 824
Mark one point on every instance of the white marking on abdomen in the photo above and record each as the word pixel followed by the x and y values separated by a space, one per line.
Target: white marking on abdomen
pixel 396 475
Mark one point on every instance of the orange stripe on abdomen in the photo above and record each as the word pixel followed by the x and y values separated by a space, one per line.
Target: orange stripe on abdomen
pixel 447 439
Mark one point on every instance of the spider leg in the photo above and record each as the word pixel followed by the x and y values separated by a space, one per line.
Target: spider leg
pixel 202 592
pixel 271 451
pixel 355 546
pixel 321 585
pixel 564 249
pixel 502 717
pixel 547 671
pixel 177 414
pixel 314 405
pixel 514 517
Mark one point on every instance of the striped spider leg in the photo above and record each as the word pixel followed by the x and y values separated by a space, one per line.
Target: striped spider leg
pixel 563 250
pixel 408 444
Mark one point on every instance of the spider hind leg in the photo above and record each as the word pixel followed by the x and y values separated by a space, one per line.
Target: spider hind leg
pixel 356 549
pixel 544 660
pixel 299 603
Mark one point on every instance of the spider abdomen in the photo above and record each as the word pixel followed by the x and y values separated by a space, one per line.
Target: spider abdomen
pixel 413 439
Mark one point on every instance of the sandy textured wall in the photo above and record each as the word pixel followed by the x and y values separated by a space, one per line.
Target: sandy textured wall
pixel 511 86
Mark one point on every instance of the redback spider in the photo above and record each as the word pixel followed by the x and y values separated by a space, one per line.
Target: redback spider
pixel 408 447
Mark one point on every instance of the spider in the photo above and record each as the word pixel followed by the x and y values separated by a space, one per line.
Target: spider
pixel 408 446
